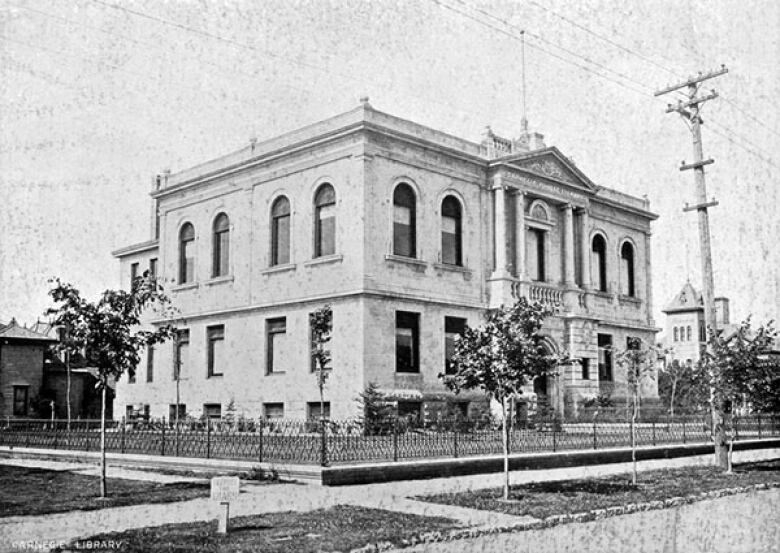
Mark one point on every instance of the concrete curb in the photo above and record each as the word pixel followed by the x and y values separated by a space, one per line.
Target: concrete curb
pixel 587 516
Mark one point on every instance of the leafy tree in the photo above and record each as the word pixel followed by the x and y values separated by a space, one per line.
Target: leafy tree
pixel 682 388
pixel 765 393
pixel 376 410
pixel 107 332
pixel 733 367
pixel 638 360
pixel 500 357
pixel 321 322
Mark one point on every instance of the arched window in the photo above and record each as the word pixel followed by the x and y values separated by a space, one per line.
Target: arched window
pixel 627 269
pixel 280 231
pixel 451 231
pixel 676 335
pixel 186 254
pixel 538 211
pixel 221 246
pixel 599 265
pixel 325 221
pixel 404 221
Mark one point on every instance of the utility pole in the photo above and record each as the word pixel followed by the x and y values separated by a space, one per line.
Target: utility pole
pixel 690 110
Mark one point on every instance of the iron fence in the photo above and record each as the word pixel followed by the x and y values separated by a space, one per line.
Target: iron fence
pixel 325 441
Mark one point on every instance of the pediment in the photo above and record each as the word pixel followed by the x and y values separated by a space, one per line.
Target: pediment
pixel 549 163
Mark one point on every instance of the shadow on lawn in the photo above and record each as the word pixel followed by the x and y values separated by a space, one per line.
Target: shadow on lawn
pixel 573 487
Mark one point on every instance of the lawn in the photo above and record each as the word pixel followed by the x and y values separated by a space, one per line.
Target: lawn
pixel 340 528
pixel 34 491
pixel 544 499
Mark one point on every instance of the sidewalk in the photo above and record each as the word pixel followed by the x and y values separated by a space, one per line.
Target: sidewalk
pixel 256 499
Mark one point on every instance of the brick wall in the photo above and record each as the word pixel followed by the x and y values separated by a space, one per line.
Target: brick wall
pixel 20 365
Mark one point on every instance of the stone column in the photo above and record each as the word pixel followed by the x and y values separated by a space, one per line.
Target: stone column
pixel 648 280
pixel 500 222
pixel 585 248
pixel 520 271
pixel 568 245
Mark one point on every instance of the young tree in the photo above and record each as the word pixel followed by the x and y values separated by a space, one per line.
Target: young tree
pixel 501 357
pixel 107 332
pixel 376 411
pixel 681 388
pixel 734 368
pixel 321 322
pixel 638 360
pixel 68 348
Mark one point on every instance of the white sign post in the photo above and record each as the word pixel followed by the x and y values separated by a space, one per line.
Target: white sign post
pixel 224 489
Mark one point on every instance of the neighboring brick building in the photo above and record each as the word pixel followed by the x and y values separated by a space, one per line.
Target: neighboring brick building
pixel 409 233
pixel 22 354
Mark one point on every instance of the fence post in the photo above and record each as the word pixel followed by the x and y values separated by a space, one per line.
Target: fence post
pixel 735 422
pixel 208 439
pixel 395 439
pixel 595 445
pixel 323 443
pixel 554 433
pixel 162 445
pixel 653 432
pixel 55 434
pixel 260 447
pixel 759 426
pixel 122 443
pixel 27 435
pixel 684 437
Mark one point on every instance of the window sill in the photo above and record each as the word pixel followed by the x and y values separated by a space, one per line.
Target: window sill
pixel 276 373
pixel 218 280
pixel 452 268
pixel 324 260
pixel 629 299
pixel 220 375
pixel 408 373
pixel 186 286
pixel 406 260
pixel 278 269
pixel 605 295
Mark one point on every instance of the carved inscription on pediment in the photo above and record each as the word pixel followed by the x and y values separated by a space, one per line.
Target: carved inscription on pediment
pixel 550 168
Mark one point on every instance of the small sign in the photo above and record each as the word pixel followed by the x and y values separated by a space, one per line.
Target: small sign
pixel 224 488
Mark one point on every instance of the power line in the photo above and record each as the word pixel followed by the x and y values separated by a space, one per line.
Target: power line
pixel 737 143
pixel 554 45
pixel 262 52
pixel 537 47
pixel 645 58
pixel 231 71
pixel 605 39
pixel 745 113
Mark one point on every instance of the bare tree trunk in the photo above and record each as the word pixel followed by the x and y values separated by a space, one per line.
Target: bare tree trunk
pixel 103 491
pixel 67 386
pixel 506 448
pixel 731 446
pixel 671 401
pixel 321 385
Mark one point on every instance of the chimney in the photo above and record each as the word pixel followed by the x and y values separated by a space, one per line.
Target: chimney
pixel 721 311
pixel 529 141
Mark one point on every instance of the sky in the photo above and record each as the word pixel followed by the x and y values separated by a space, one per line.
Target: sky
pixel 96 96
